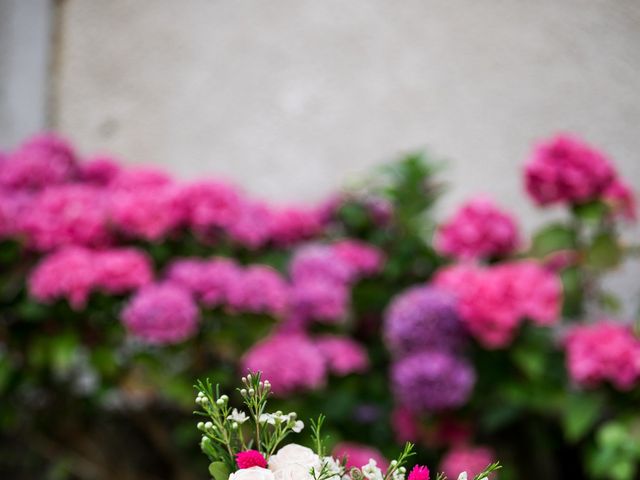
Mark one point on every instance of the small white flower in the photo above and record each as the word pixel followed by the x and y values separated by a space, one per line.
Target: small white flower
pixel 238 416
pixel 298 426
pixel 267 418
pixel 462 476
pixel 371 471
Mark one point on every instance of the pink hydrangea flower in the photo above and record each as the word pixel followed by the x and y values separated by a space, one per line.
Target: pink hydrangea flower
pixel 140 178
pixel 260 289
pixel 342 355
pixel 358 455
pixel 74 272
pixel 459 279
pixel 621 198
pixel 149 213
pixel 100 171
pixel 291 225
pixel 68 273
pixel 252 227
pixel 317 262
pixel 66 215
pixel 12 207
pixel 42 161
pixel 319 300
pixel 538 291
pixel 604 351
pixel 361 258
pixel 291 362
pixel 209 280
pixel 486 304
pixel 493 301
pixel 250 458
pixel 121 270
pixel 210 204
pixel 565 169
pixel 161 314
pixel 419 472
pixel 472 460
pixel 479 229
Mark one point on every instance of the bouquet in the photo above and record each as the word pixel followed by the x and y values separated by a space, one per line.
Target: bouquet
pixel 245 446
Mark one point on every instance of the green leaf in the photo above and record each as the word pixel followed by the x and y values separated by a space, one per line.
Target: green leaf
pixel 531 360
pixel 604 252
pixel 582 411
pixel 64 349
pixel 573 293
pixel 552 238
pixel 592 212
pixel 219 471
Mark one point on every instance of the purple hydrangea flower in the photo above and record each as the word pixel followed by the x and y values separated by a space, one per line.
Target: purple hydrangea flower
pixel 432 381
pixel 423 317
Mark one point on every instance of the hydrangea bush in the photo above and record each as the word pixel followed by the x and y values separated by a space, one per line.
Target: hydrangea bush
pixel 119 285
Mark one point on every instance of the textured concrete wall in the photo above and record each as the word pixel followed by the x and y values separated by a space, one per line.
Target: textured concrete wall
pixel 292 98
pixel 25 36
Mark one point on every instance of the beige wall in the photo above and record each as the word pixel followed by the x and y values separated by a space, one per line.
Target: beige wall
pixel 292 98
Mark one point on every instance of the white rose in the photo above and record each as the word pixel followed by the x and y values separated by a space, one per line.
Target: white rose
pixel 253 473
pixel 293 471
pixel 293 454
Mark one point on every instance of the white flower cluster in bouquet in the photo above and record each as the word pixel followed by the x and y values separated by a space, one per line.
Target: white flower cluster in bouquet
pixel 246 446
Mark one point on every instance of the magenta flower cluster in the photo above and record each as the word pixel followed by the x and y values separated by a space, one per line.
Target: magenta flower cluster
pixel 606 351
pixel 161 314
pixel 64 201
pixel 494 300
pixel 565 169
pixel 297 361
pixel 479 229
pixel 73 273
pixel 322 275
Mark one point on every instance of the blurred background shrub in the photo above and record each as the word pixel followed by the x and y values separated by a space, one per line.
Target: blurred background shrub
pixel 122 285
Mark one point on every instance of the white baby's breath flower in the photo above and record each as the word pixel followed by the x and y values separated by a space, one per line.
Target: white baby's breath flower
pixel 238 416
pixel 331 466
pixel 267 418
pixel 371 470
pixel 298 426
pixel 253 473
